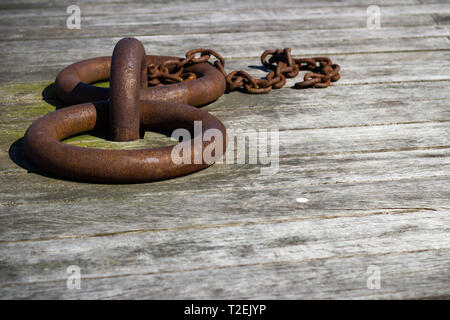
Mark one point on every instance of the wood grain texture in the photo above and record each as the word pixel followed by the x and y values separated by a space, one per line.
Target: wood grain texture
pixel 363 177
pixel 185 251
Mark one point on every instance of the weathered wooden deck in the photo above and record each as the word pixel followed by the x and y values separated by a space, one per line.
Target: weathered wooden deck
pixel 371 154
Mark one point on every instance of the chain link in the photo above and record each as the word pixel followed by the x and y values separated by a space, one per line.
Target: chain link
pixel 320 71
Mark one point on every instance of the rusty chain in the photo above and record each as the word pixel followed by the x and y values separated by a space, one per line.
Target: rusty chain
pixel 321 71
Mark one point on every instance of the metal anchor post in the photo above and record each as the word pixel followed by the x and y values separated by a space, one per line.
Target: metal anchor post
pixel 128 77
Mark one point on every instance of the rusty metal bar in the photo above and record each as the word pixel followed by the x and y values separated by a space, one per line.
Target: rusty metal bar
pixel 128 78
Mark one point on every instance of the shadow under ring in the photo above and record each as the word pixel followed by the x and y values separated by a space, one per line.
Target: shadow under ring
pixel 43 146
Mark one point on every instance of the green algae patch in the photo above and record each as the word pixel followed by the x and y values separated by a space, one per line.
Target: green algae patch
pixel 10 134
pixel 102 84
pixel 151 140
pixel 27 88
pixel 22 93
pixel 25 112
pixel 27 91
pixel 23 103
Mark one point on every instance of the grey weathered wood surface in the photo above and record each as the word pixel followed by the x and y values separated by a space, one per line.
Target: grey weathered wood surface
pixel 370 153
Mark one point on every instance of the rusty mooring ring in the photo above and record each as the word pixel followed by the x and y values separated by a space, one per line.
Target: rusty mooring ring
pixel 130 105
pixel 73 83
pixel 42 143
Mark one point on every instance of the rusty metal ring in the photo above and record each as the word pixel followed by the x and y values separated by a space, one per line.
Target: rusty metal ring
pixel 73 83
pixel 42 143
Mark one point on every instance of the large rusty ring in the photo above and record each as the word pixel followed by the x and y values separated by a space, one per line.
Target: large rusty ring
pixel 72 83
pixel 131 104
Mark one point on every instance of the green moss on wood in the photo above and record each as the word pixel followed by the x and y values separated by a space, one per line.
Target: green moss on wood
pixel 10 134
pixel 103 84
pixel 23 103
pixel 32 88
pixel 151 140
pixel 24 112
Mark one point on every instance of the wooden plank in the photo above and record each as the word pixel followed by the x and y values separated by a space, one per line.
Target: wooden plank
pixel 93 27
pixel 230 42
pixel 289 108
pixel 159 8
pixel 356 69
pixel 261 16
pixel 346 140
pixel 37 67
pixel 46 207
pixel 263 246
pixel 371 234
pixel 400 272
